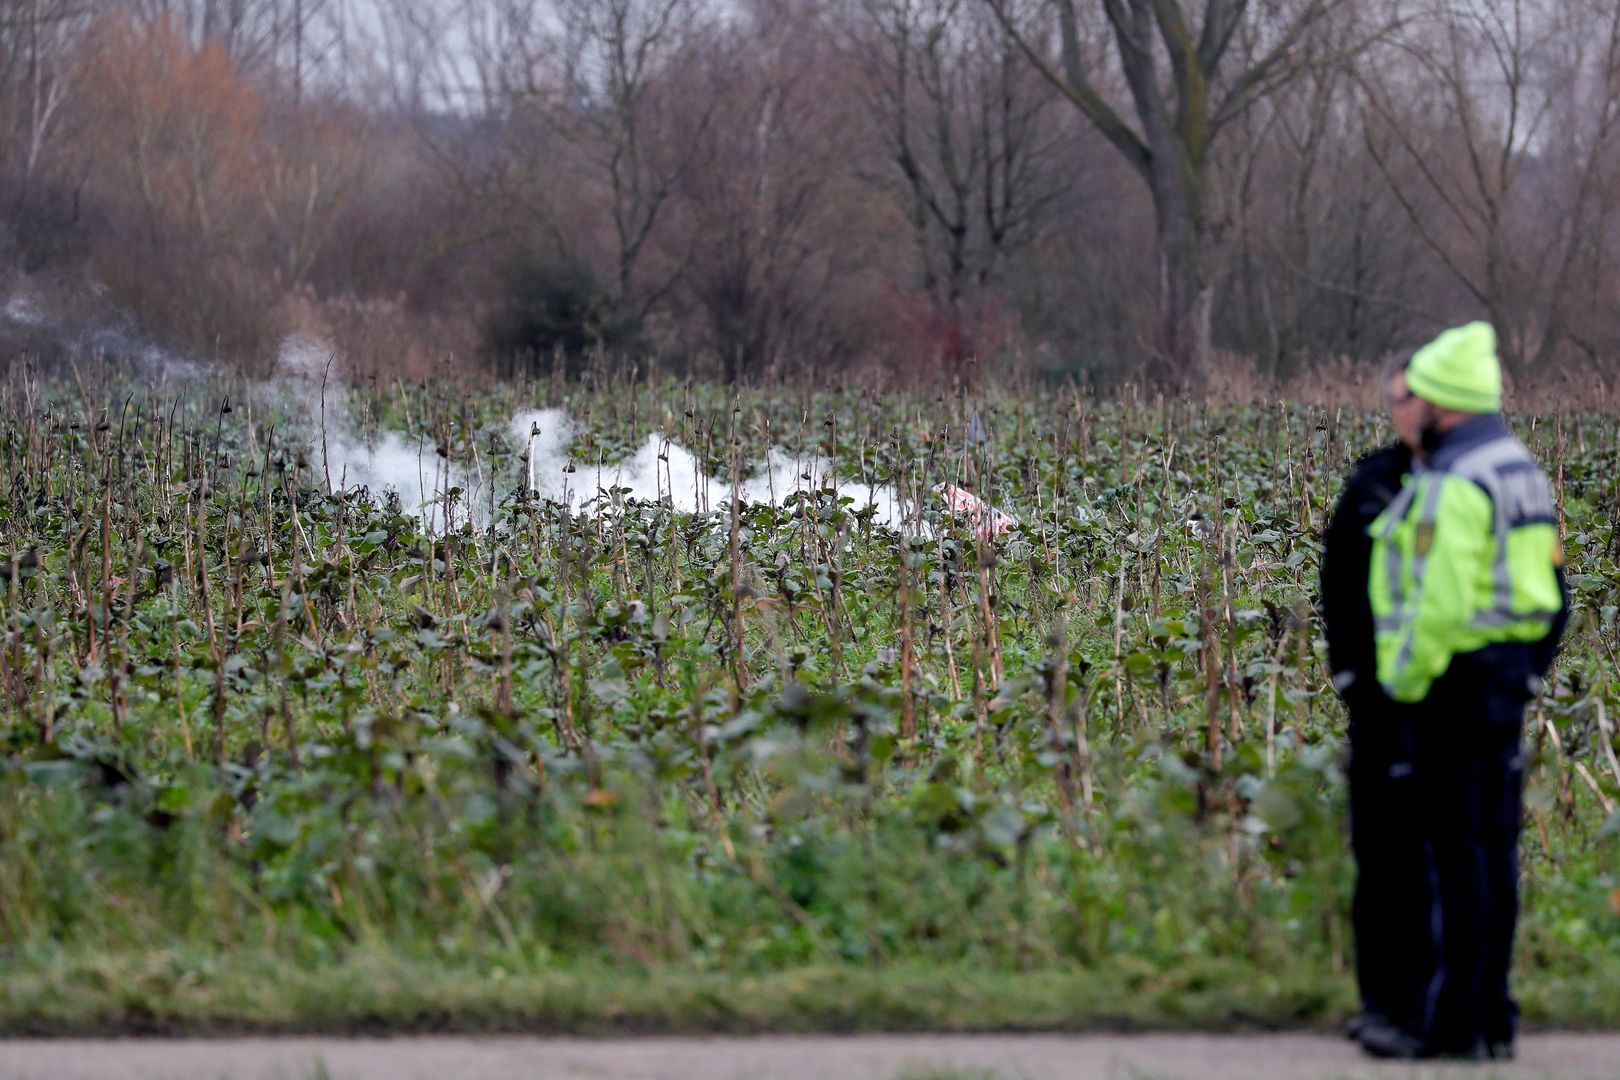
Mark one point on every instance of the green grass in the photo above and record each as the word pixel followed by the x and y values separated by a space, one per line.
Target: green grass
pixel 376 991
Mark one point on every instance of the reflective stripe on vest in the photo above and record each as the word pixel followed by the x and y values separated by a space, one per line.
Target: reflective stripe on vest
pixel 1483 466
pixel 1480 465
pixel 1420 558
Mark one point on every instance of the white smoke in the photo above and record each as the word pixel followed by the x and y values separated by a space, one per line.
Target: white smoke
pixel 662 471
pixel 21 310
pixel 309 377
pixel 111 337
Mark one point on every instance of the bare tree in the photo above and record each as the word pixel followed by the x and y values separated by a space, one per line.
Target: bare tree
pixel 773 207
pixel 1466 110
pixel 1583 156
pixel 306 170
pixel 483 118
pixel 403 49
pixel 1173 123
pixel 586 116
pixel 967 131
pixel 1322 260
pixel 640 138
pixel 249 31
pixel 38 39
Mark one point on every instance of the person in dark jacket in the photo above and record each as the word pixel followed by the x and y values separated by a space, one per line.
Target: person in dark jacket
pixel 1468 603
pixel 1390 892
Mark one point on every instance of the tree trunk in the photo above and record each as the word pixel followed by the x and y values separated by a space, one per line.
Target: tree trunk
pixel 1177 123
pixel 1186 297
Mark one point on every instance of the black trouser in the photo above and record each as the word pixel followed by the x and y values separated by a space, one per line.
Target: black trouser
pixel 1469 767
pixel 1389 909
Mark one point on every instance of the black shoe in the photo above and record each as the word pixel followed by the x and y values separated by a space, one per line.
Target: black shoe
pixel 1382 1039
pixel 1386 1040
pixel 1360 1022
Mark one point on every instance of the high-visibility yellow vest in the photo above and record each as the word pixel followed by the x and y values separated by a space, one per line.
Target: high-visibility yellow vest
pixel 1466 556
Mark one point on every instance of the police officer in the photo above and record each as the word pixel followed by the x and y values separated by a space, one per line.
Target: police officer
pixel 1388 904
pixel 1468 602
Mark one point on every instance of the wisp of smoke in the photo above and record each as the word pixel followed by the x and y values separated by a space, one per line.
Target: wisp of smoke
pixel 107 339
pixel 308 377
pixel 20 310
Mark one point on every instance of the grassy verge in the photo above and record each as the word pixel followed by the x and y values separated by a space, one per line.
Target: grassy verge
pixel 168 993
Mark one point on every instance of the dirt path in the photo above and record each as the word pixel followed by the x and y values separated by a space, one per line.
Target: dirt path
pixel 964 1057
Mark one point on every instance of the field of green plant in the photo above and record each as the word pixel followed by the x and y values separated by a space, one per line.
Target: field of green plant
pixel 276 757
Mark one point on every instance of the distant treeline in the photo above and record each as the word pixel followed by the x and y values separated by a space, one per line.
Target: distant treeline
pixel 921 190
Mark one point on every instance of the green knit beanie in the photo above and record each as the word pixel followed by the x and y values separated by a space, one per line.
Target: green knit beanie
pixel 1459 370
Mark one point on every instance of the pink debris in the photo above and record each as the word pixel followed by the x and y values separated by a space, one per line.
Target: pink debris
pixel 985 519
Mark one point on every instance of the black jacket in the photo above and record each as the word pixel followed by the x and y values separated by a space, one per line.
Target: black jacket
pixel 1543 652
pixel 1347 617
